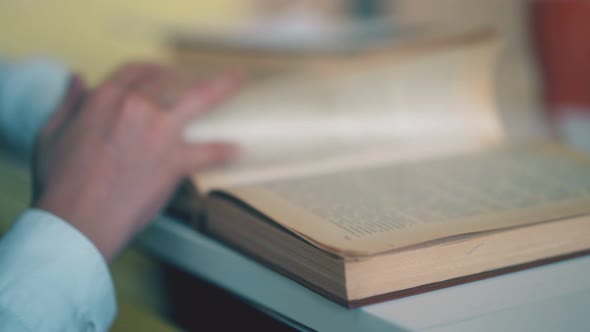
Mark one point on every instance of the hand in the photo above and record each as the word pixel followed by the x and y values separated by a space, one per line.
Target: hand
pixel 107 163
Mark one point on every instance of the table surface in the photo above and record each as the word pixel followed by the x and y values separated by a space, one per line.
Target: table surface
pixel 553 297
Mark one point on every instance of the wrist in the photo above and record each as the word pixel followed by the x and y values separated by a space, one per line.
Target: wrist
pixel 107 235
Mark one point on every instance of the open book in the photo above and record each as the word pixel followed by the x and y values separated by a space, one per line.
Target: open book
pixel 390 178
pixel 393 230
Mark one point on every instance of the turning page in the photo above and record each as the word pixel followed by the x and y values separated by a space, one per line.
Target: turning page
pixel 292 125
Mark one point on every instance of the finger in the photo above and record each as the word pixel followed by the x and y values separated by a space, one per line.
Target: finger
pixel 112 91
pixel 136 112
pixel 128 74
pixel 76 92
pixel 205 96
pixel 194 158
pixel 162 89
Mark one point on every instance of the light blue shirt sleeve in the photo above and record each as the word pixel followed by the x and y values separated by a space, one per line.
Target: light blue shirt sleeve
pixel 52 278
pixel 30 91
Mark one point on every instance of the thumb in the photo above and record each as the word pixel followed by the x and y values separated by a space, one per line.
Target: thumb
pixel 77 91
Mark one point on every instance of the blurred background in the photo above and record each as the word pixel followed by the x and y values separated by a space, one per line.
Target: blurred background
pixel 96 36
pixel 541 76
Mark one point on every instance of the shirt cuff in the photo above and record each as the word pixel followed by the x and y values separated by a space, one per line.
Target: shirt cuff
pixel 53 277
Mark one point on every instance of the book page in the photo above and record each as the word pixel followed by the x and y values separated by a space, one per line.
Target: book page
pixel 370 211
pixel 296 119
pixel 294 162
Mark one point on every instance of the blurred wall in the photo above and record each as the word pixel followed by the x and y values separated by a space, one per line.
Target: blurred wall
pixel 93 36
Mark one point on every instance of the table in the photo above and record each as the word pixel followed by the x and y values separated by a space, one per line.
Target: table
pixel 553 297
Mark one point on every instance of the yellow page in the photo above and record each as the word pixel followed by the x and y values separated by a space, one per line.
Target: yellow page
pixel 374 210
